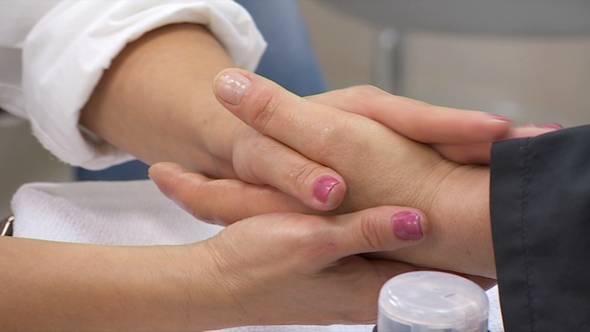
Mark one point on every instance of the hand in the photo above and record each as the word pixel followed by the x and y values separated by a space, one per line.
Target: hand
pixel 462 136
pixel 298 269
pixel 380 167
pixel 165 77
pixel 301 269
pixel 272 269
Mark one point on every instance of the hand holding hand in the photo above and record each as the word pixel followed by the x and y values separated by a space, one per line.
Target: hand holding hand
pixel 298 269
pixel 462 136
pixel 380 167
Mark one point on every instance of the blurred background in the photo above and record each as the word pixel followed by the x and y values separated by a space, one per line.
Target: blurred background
pixel 526 59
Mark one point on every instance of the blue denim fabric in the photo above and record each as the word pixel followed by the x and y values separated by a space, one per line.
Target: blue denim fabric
pixel 289 60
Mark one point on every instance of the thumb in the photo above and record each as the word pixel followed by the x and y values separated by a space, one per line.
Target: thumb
pixel 386 228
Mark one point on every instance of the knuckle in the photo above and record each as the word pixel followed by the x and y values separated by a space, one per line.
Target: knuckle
pixel 304 174
pixel 334 138
pixel 251 154
pixel 370 233
pixel 312 231
pixel 266 105
pixel 347 137
pixel 311 236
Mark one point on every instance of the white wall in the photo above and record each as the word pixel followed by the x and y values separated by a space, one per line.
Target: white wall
pixel 533 80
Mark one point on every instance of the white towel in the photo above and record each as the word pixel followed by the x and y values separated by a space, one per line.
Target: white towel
pixel 132 213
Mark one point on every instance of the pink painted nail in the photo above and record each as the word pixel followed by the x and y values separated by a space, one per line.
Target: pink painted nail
pixel 323 187
pixel 556 126
pixel 231 87
pixel 407 225
pixel 500 118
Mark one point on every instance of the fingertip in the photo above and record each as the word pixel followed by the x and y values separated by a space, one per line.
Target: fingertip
pixel 495 126
pixel 164 174
pixel 456 126
pixel 554 126
pixel 230 70
pixel 162 169
pixel 231 86
pixel 501 119
pixel 478 126
pixel 409 225
pixel 337 195
pixel 328 192
pixel 530 131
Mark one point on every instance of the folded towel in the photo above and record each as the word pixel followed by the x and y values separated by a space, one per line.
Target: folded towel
pixel 131 213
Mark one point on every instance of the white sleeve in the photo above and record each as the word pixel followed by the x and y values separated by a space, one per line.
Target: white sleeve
pixel 67 51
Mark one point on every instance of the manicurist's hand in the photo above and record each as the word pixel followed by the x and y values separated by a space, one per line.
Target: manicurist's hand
pixel 380 167
pixel 299 269
pixel 271 269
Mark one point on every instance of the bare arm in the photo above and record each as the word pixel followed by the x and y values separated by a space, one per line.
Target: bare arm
pixel 242 276
pixel 156 101
pixel 49 286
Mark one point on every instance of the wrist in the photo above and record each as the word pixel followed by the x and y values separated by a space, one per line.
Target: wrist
pixel 176 288
pixel 460 211
pixel 205 296
pixel 172 288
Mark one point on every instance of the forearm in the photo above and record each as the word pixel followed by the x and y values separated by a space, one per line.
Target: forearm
pixel 50 286
pixel 156 100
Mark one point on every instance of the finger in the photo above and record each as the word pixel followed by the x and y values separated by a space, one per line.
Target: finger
pixel 531 131
pixel 417 120
pixel 273 111
pixel 385 228
pixel 259 159
pixel 219 202
pixel 481 153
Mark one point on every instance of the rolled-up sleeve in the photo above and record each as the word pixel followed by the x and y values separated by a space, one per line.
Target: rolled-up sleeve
pixel 66 52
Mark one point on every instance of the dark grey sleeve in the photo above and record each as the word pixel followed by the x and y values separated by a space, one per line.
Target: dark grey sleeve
pixel 540 207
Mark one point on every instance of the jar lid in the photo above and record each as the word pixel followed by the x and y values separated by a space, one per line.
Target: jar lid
pixel 432 301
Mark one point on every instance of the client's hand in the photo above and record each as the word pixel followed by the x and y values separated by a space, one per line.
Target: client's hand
pixel 298 269
pixel 461 136
pixel 380 167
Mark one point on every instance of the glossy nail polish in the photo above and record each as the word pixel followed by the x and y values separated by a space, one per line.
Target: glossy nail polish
pixel 555 126
pixel 407 225
pixel 500 118
pixel 323 187
pixel 231 87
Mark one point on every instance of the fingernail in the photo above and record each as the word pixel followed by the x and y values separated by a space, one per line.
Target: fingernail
pixel 231 87
pixel 500 118
pixel 407 225
pixel 323 187
pixel 556 126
